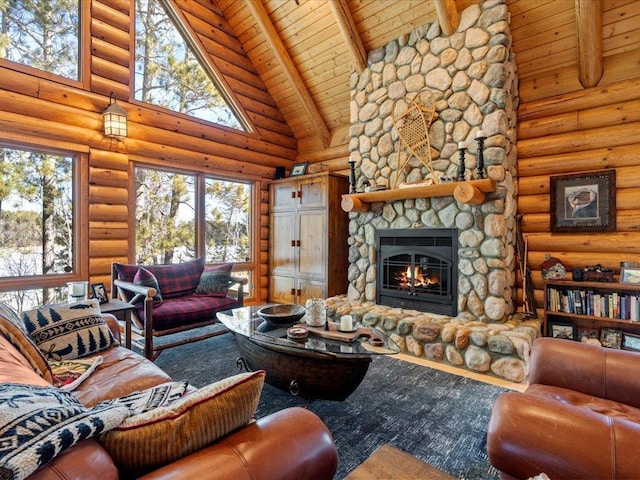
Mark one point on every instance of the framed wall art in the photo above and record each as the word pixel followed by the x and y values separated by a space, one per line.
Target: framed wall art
pixel 298 169
pixel 565 330
pixel 99 292
pixel 630 275
pixel 583 202
pixel 630 341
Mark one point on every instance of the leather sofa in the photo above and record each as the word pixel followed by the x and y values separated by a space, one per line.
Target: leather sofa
pixel 290 444
pixel 578 419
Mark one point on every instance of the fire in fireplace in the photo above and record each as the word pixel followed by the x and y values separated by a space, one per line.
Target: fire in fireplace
pixel 417 268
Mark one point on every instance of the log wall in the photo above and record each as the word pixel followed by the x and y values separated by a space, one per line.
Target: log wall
pixel 39 109
pixel 592 129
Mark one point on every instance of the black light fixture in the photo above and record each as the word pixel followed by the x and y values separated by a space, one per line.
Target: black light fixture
pixel 115 119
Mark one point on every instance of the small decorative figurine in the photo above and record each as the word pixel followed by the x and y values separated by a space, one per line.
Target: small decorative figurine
pixel 553 269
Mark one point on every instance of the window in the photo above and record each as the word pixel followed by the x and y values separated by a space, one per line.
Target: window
pixel 170 72
pixel 170 208
pixel 227 227
pixel 36 217
pixel 42 34
pixel 165 217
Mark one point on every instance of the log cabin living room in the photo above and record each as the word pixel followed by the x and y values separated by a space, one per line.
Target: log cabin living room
pixel 317 239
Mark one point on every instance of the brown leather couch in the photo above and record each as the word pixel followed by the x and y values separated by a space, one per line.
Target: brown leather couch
pixel 578 419
pixel 290 444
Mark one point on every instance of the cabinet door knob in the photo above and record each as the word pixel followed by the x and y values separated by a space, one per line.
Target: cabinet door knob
pixel 299 292
pixel 297 243
pixel 293 194
pixel 299 193
pixel 293 243
pixel 293 291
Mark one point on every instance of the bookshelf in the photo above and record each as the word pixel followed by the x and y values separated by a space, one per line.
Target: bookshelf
pixel 591 307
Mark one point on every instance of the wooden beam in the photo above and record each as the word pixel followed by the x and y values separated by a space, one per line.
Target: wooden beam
pixel 448 15
pixel 589 26
pixel 349 33
pixel 282 56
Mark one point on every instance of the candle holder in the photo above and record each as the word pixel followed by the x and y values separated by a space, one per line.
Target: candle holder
pixel 352 176
pixel 77 291
pixel 480 166
pixel 461 165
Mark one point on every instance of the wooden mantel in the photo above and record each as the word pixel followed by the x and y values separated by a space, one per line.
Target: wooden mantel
pixel 471 192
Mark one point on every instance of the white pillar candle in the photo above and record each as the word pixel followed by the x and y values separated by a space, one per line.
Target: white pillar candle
pixel 346 323
pixel 460 145
pixel 480 134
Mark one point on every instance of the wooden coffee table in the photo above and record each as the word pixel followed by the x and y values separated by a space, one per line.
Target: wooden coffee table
pixel 391 463
pixel 314 368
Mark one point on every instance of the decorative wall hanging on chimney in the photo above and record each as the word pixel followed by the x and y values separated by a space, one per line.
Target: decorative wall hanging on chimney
pixel 413 129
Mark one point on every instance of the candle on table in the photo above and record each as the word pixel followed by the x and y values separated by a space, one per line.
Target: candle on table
pixel 346 323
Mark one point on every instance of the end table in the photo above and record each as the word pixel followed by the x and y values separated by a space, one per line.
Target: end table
pixel 120 309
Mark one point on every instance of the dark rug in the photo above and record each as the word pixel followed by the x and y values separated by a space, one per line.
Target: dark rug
pixel 438 417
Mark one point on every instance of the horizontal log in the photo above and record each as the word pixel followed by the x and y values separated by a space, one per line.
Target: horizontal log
pixel 108 248
pixel 102 265
pixel 108 195
pixel 339 153
pixel 626 221
pixel 578 141
pixel 626 177
pixel 106 32
pixel 110 53
pixel 108 233
pixel 469 194
pixel 596 159
pixel 109 160
pixel 610 242
pixel 573 260
pixel 108 213
pixel 114 17
pixel 581 99
pixel 106 87
pixel 105 177
pixel 107 69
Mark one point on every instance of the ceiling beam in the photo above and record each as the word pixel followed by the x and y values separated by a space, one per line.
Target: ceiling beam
pixel 448 15
pixel 589 25
pixel 282 56
pixel 349 33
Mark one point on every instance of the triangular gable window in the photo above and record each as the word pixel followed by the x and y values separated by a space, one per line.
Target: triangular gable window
pixel 171 73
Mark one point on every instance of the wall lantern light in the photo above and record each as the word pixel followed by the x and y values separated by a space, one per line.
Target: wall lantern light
pixel 115 119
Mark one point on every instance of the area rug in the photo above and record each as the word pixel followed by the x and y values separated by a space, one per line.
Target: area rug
pixel 438 417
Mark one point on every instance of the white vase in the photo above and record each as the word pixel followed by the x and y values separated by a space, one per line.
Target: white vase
pixel 316 315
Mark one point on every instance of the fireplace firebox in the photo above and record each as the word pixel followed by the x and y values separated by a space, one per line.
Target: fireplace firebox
pixel 417 268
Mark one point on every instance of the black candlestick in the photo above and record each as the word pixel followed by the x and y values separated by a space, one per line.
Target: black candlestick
pixel 461 165
pixel 352 176
pixel 480 166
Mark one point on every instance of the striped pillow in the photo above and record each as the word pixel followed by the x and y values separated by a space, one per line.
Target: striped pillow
pixel 13 329
pixel 195 421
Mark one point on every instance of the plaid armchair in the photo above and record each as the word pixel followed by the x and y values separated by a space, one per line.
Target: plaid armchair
pixel 176 298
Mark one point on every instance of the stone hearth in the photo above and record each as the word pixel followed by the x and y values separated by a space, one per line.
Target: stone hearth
pixel 500 349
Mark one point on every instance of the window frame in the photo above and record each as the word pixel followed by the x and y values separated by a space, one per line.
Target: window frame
pixel 216 77
pixel 80 223
pixel 84 68
pixel 252 266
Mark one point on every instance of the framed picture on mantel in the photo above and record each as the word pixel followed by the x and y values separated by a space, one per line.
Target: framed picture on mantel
pixel 584 202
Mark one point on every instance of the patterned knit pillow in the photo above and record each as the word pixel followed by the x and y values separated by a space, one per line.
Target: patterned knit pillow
pixel 38 423
pixel 196 420
pixel 155 397
pixel 69 331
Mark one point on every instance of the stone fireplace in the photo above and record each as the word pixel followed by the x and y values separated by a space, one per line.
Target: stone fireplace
pixel 473 79
pixel 418 269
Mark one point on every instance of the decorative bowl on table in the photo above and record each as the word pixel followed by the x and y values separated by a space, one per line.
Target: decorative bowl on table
pixel 282 315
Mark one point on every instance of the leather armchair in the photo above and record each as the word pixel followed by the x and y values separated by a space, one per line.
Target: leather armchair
pixel 578 419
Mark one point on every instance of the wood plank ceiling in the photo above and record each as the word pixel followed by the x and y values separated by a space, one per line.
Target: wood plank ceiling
pixel 305 51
